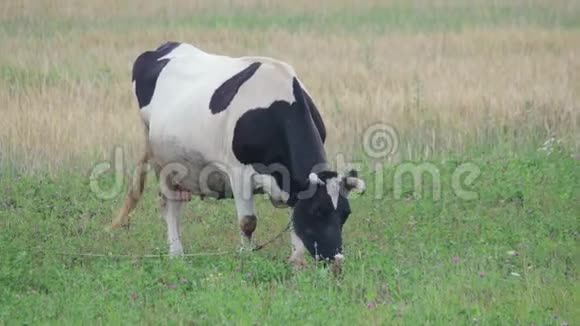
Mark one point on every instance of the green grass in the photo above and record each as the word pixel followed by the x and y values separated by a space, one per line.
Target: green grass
pixel 400 255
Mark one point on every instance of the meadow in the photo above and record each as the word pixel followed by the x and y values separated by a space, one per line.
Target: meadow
pixel 487 87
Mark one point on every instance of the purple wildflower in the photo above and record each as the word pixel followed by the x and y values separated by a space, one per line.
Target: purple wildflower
pixel 455 259
pixel 370 305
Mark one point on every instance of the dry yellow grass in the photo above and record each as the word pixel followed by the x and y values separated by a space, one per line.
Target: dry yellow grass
pixel 65 92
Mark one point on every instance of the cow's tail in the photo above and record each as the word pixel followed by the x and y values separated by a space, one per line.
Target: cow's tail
pixel 134 192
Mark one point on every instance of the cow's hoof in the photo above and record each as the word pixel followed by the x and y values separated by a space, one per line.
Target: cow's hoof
pixel 247 246
pixel 119 222
pixel 176 255
pixel 297 263
pixel 124 226
pixel 116 226
pixel 176 251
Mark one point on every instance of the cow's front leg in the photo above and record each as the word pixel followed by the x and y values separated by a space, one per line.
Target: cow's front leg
pixel 246 212
pixel 298 250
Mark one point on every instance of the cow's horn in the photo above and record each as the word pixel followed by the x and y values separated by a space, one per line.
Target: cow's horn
pixel 314 179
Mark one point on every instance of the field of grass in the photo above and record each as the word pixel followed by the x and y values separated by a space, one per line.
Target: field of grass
pixel 490 84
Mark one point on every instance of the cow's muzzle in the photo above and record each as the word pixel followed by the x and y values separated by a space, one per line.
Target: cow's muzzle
pixel 335 263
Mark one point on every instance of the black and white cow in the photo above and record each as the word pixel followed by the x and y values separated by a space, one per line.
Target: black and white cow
pixel 230 128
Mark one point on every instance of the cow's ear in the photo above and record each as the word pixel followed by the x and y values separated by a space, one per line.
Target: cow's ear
pixel 352 182
pixel 352 173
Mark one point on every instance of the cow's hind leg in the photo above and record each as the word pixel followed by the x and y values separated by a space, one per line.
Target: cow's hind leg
pixel 134 193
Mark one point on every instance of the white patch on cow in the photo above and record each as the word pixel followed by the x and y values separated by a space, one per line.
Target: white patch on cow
pixel 333 190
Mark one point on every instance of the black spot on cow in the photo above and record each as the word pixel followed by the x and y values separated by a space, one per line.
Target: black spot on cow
pixel 224 94
pixel 315 114
pixel 288 135
pixel 146 70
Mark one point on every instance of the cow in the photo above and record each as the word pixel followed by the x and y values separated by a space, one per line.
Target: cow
pixel 232 127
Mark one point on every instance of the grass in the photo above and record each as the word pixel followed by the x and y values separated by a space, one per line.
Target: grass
pixel 485 83
pixel 508 257
pixel 498 74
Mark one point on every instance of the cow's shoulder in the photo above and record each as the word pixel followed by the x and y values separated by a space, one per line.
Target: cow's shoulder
pixel 280 78
pixel 284 70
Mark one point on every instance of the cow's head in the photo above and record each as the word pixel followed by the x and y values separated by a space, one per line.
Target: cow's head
pixel 320 215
